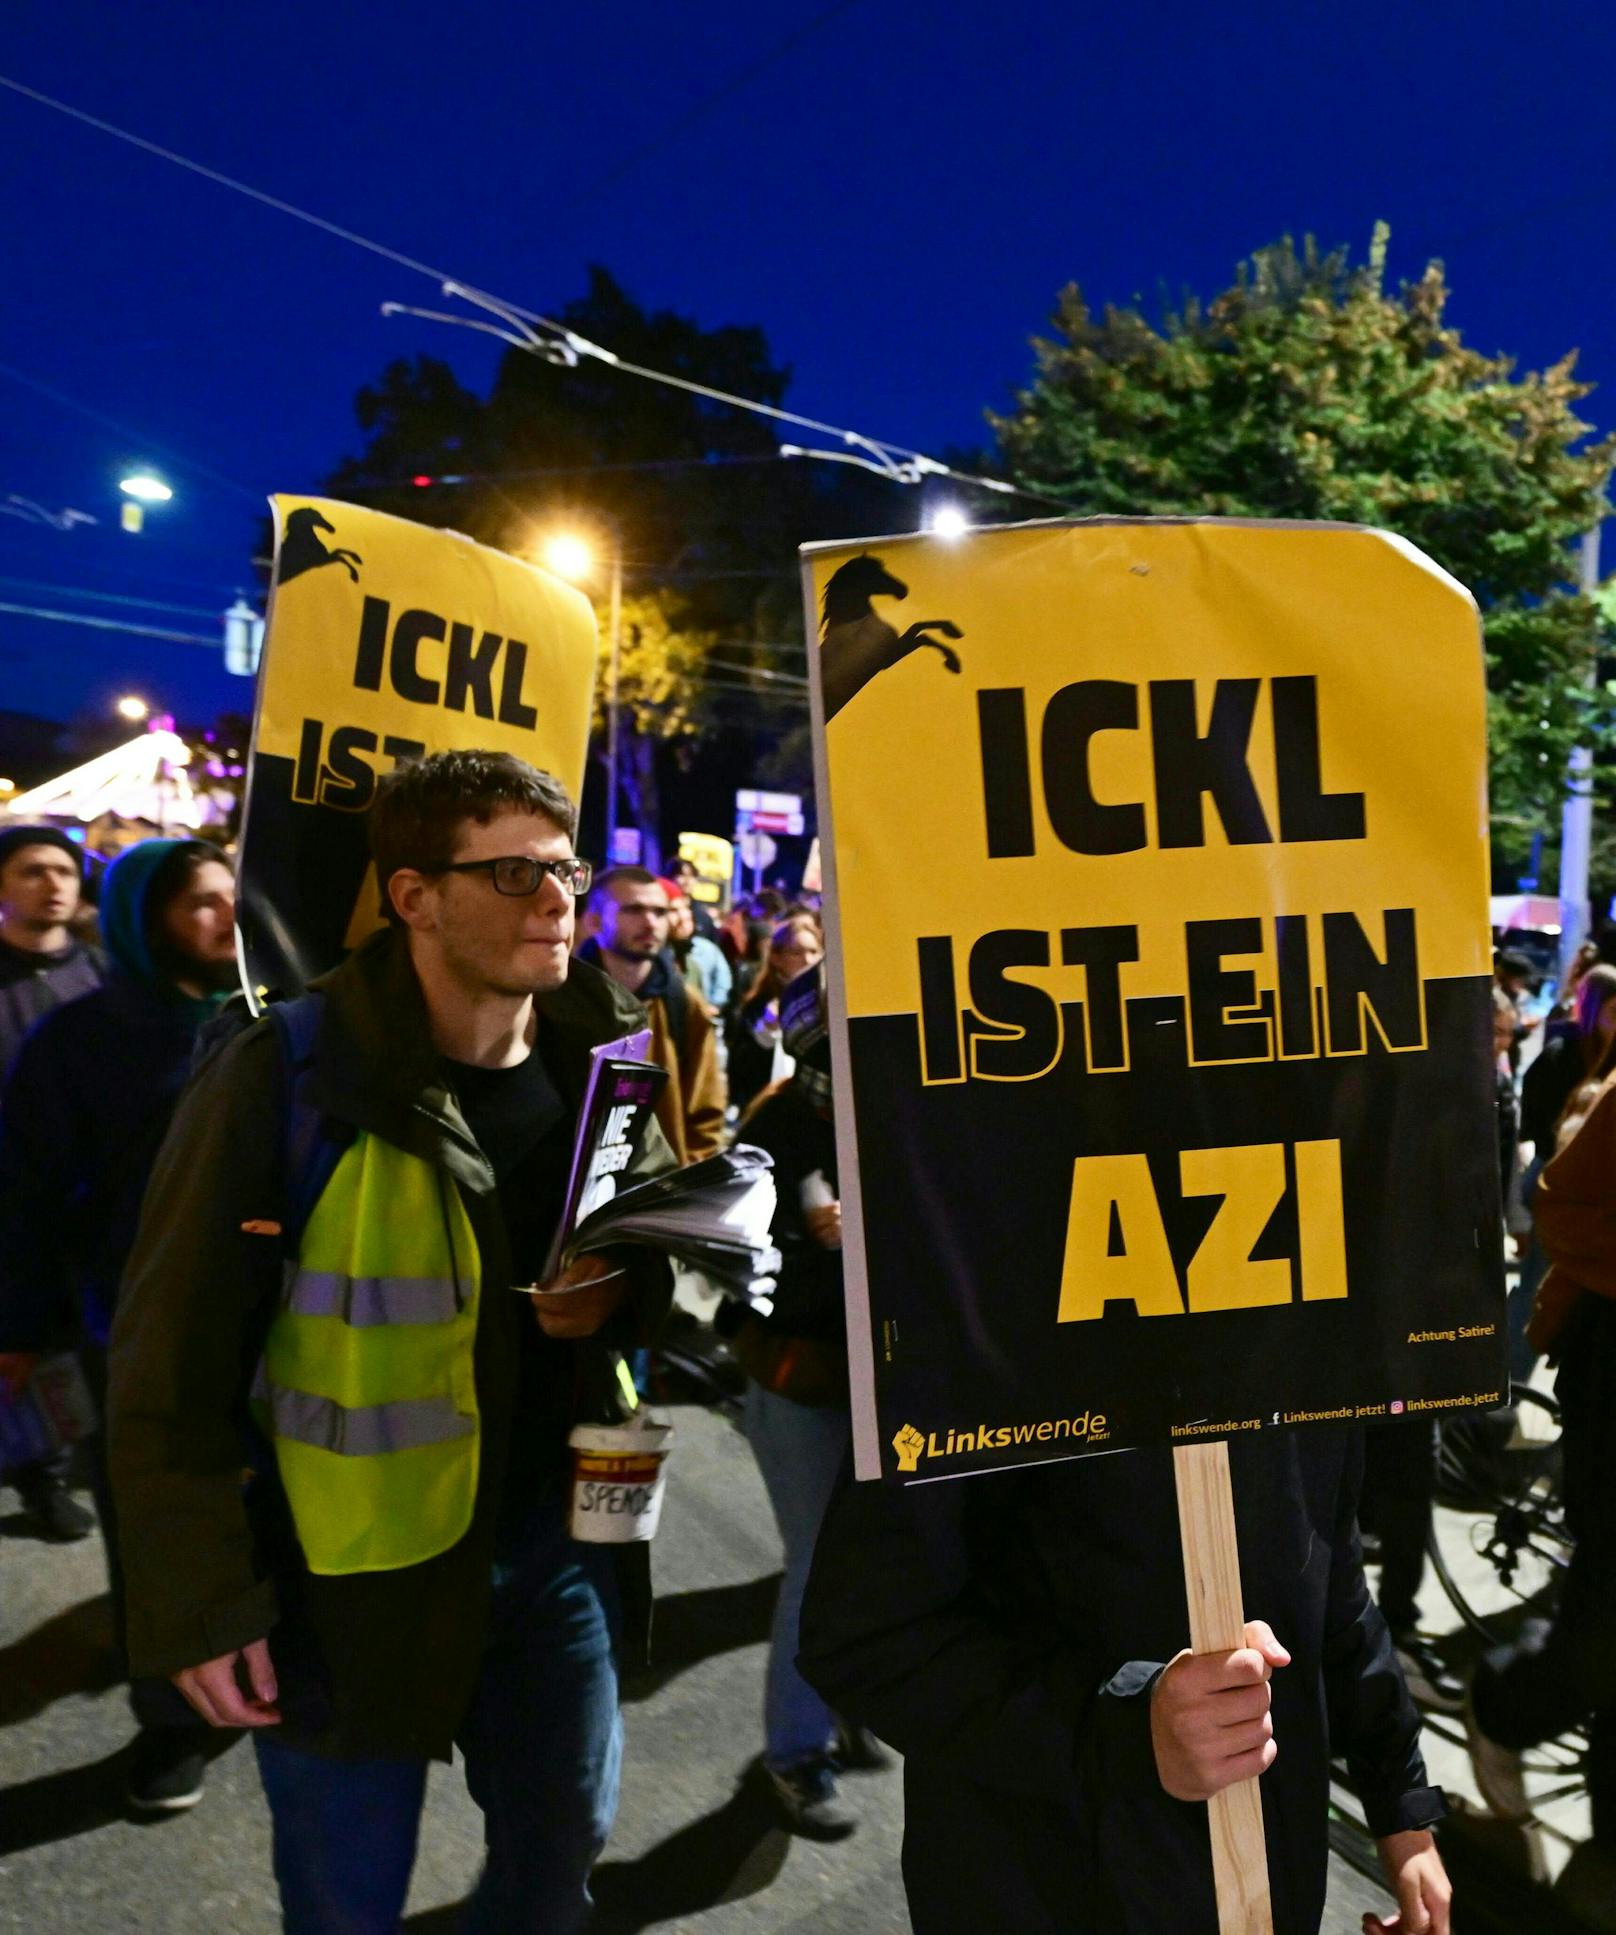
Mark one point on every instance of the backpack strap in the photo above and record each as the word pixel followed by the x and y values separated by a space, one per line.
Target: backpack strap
pixel 312 1144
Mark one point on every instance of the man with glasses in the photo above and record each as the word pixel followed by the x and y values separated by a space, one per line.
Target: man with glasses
pixel 324 1272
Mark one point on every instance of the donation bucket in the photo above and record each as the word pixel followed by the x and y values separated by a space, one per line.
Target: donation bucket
pixel 618 1480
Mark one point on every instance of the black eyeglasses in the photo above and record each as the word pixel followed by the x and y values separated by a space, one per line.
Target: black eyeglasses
pixel 515 874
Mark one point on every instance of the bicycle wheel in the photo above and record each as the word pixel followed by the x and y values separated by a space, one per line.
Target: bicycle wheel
pixel 1498 1540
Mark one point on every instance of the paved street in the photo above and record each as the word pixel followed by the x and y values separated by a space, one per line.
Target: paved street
pixel 696 1846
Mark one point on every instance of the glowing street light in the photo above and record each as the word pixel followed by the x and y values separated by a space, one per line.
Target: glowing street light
pixel 148 489
pixel 133 709
pixel 141 488
pixel 569 556
pixel 948 521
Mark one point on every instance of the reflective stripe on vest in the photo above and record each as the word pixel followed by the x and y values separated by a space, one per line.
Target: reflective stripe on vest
pixel 368 1431
pixel 372 1300
pixel 367 1384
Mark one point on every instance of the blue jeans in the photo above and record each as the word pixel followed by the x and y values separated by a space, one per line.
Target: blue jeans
pixel 799 1449
pixel 543 1746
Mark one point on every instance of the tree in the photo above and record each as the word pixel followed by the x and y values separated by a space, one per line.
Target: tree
pixel 708 517
pixel 1308 391
pixel 660 701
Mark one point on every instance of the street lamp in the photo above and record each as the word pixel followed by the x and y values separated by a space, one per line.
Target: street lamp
pixel 948 521
pixel 570 555
pixel 141 488
pixel 133 709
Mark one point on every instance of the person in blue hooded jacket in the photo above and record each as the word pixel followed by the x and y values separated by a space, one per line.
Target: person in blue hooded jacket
pixel 84 1110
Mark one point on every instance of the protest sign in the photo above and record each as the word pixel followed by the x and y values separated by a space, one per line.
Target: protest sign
pixel 386 641
pixel 1156 894
pixel 714 860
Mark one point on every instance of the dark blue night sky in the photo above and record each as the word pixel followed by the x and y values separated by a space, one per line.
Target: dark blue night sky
pixel 896 200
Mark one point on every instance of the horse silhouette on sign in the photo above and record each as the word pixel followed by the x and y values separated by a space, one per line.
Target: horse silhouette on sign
pixel 858 644
pixel 303 550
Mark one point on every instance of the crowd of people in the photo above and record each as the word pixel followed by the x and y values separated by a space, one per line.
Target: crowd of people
pixel 333 1482
pixel 1558 1157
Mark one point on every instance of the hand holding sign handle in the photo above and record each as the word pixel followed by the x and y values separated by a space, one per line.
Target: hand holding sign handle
pixel 1218 1626
pixel 1210 1718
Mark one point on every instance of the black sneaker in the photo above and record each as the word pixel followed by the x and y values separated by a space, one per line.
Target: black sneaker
pixel 857 1751
pixel 59 1515
pixel 1430 1680
pixel 166 1766
pixel 806 1796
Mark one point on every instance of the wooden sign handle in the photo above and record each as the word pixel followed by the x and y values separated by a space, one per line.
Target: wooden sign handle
pixel 1218 1625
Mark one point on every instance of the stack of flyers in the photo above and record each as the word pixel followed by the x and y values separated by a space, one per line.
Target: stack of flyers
pixel 714 1216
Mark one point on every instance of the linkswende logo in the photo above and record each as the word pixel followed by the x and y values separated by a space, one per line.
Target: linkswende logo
pixel 1089 1428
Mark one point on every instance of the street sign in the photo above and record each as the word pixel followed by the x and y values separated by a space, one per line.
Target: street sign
pixel 757 851
pixel 762 812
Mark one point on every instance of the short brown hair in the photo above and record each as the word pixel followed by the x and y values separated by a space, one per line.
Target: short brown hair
pixel 419 809
pixel 620 877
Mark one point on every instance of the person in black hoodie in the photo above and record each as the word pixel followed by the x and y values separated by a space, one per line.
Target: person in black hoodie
pixel 84 1112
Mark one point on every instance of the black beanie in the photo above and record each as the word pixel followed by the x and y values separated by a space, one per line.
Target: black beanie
pixel 14 838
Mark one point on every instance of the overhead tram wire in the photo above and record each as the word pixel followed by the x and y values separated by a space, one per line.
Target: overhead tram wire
pixel 565 348
pixel 111 625
pixel 108 597
pixel 562 345
pixel 123 430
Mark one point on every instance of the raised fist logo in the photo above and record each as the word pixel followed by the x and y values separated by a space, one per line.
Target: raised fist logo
pixel 908 1444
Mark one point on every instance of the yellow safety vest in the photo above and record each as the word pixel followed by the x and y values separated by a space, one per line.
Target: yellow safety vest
pixel 367 1385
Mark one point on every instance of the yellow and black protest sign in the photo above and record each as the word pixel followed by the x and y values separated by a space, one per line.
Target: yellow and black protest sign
pixel 1157 896
pixel 713 857
pixel 386 641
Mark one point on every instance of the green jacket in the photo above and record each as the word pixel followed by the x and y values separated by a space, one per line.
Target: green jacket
pixel 372 1664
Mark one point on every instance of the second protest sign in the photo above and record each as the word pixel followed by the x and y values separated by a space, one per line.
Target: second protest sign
pixel 387 641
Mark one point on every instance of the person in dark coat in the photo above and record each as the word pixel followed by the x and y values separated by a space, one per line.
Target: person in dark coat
pixel 796 1417
pixel 83 1114
pixel 41 966
pixel 1559 1673
pixel 1018 1637
pixel 756 1055
pixel 1573 1051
